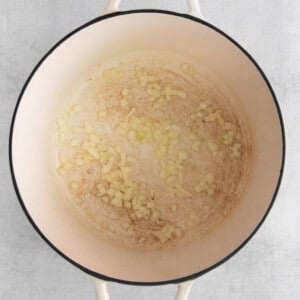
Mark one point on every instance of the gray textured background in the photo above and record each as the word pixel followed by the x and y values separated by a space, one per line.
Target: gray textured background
pixel 269 266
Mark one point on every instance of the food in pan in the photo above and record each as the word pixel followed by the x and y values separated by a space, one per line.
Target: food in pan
pixel 152 148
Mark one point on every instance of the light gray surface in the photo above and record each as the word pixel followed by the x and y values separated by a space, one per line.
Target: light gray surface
pixel 269 266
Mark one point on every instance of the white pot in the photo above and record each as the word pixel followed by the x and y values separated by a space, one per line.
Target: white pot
pixel 110 35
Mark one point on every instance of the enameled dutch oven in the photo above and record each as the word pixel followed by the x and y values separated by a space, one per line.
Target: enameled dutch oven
pixel 115 33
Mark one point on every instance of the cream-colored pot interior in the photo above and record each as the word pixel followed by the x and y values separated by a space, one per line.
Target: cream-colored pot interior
pixel 33 161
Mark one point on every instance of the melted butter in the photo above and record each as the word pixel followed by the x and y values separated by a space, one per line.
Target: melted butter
pixel 185 143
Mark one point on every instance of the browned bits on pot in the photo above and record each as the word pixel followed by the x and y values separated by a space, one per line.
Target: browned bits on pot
pixel 151 151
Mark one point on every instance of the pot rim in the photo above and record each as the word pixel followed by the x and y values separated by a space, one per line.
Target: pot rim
pixel 150 283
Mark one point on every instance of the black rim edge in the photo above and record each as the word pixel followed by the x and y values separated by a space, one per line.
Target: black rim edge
pixel 101 276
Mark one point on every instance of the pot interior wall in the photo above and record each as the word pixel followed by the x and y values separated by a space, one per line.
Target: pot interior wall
pixel 33 160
